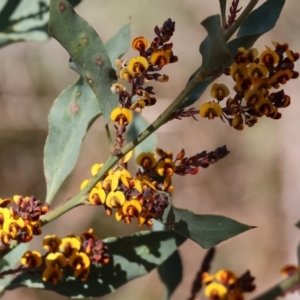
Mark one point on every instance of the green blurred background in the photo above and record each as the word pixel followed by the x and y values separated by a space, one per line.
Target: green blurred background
pixel 256 184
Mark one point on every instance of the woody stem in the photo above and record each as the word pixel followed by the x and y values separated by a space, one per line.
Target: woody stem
pixel 280 288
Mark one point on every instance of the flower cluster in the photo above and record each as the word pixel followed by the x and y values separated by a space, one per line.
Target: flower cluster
pixel 72 253
pixel 254 76
pixel 22 222
pixel 143 196
pixel 153 56
pixel 225 285
pixel 289 270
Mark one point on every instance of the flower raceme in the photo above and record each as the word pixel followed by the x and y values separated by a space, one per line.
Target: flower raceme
pixel 72 253
pixel 152 57
pixel 255 75
pixel 20 223
pixel 143 196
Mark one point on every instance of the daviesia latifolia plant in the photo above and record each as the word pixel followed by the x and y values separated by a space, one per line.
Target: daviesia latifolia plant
pixel 120 90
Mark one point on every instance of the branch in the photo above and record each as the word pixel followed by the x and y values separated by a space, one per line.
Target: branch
pixel 280 288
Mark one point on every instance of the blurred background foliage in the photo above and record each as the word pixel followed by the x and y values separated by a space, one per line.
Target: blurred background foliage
pixel 256 184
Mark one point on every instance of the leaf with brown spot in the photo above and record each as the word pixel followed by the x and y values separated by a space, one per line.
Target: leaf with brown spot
pixel 88 54
pixel 69 119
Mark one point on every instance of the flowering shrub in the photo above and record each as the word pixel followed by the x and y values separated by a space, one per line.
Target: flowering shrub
pixel 120 90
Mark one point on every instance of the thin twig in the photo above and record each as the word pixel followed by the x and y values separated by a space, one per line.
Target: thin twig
pixel 229 33
pixel 205 266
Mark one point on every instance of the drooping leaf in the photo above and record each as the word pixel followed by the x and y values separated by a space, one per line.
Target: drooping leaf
pixel 137 126
pixel 23 20
pixel 87 52
pixel 205 230
pixel 10 261
pixel 119 44
pixel 170 273
pixel 260 21
pixel 69 118
pixel 131 257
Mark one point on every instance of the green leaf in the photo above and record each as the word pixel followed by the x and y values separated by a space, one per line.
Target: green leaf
pixel 119 44
pixel 57 167
pixel 136 127
pixel 69 118
pixel 24 21
pixel 205 230
pixel 215 54
pixel 260 21
pixel 214 48
pixel 170 273
pixel 87 52
pixel 10 261
pixel 131 257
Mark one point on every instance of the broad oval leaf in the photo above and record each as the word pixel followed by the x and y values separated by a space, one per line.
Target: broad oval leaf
pixel 21 21
pixel 170 273
pixel 260 21
pixel 69 118
pixel 205 230
pixel 131 257
pixel 87 52
pixel 74 133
